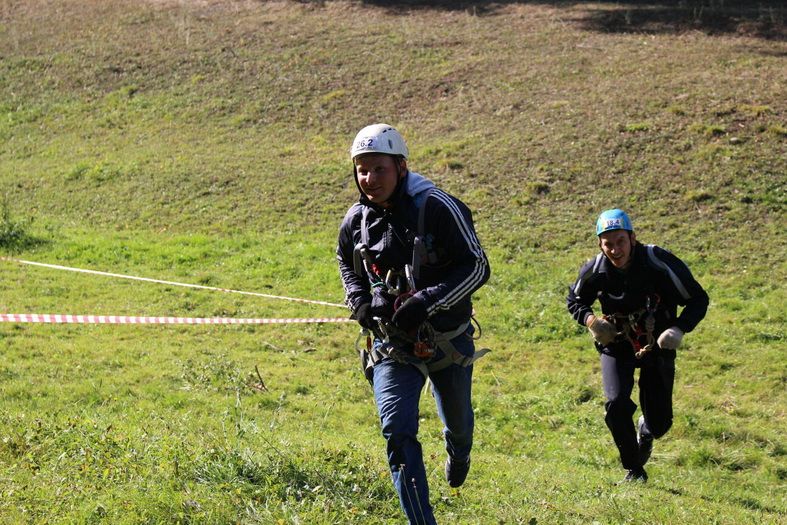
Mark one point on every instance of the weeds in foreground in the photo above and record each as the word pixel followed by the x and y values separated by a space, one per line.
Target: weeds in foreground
pixel 14 233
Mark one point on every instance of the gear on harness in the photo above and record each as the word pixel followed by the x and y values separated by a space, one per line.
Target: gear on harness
pixel 635 327
pixel 393 343
pixel 424 347
pixel 394 351
pixel 401 285
pixel 363 353
pixel 423 342
pixel 395 282
pixel 364 264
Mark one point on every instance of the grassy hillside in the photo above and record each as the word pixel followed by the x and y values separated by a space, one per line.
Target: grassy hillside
pixel 207 142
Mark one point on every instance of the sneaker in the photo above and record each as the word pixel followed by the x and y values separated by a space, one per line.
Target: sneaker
pixel 636 474
pixel 644 443
pixel 456 471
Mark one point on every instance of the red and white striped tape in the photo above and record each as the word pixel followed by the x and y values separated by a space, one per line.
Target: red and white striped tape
pixel 127 319
pixel 170 283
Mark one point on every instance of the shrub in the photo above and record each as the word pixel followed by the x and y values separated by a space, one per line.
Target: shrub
pixel 14 233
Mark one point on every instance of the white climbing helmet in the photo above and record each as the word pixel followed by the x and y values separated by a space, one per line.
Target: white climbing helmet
pixel 378 138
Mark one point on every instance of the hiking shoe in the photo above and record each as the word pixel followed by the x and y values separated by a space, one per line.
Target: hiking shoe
pixel 644 443
pixel 456 471
pixel 636 474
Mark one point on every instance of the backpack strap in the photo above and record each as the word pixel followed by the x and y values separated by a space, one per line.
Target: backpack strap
pixel 419 248
pixel 422 210
pixel 364 221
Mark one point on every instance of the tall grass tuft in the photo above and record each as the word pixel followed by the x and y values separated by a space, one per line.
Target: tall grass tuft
pixel 14 233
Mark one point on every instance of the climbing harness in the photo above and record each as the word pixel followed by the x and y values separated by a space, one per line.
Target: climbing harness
pixel 634 331
pixel 420 348
pixel 393 343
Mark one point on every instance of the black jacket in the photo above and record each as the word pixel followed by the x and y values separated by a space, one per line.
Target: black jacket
pixel 453 267
pixel 654 272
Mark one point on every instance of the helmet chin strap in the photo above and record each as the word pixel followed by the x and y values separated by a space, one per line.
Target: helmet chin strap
pixel 355 178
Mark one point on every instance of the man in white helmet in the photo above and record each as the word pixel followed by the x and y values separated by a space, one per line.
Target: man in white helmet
pixel 410 260
pixel 639 288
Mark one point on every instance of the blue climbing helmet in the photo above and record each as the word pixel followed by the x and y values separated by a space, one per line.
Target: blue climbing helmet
pixel 613 220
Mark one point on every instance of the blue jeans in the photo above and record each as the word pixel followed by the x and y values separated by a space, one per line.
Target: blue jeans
pixel 397 391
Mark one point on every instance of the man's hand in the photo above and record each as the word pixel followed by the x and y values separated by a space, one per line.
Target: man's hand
pixel 670 338
pixel 602 330
pixel 410 315
pixel 365 317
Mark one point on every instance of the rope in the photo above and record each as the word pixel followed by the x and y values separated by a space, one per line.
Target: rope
pixel 171 283
pixel 125 319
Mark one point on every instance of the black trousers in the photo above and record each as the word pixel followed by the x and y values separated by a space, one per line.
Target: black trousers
pixel 656 377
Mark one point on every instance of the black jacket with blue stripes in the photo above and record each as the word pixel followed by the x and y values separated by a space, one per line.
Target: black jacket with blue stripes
pixel 654 272
pixel 452 268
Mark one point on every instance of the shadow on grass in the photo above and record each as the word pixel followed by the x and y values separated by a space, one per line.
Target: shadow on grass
pixel 761 19
pixel 14 234
pixel 749 503
pixel 21 244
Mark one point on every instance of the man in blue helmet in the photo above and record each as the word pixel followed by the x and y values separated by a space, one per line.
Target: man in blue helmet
pixel 409 259
pixel 639 288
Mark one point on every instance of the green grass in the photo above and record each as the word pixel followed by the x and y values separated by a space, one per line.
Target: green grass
pixel 207 144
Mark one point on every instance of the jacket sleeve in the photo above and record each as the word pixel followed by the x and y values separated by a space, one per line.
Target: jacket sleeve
pixel 685 289
pixel 356 287
pixel 450 221
pixel 582 294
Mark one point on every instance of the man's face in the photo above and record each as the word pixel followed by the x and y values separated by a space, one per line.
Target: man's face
pixel 378 176
pixel 617 245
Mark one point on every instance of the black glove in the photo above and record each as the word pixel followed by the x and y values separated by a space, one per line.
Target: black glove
pixel 410 315
pixel 382 305
pixel 363 314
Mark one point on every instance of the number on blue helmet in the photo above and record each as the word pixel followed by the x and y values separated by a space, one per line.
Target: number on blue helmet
pixel 613 220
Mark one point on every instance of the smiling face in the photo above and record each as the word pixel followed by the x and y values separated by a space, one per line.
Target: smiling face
pixel 618 246
pixel 378 175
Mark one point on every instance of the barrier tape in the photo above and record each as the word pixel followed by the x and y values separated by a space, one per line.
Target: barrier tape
pixel 125 319
pixel 171 283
